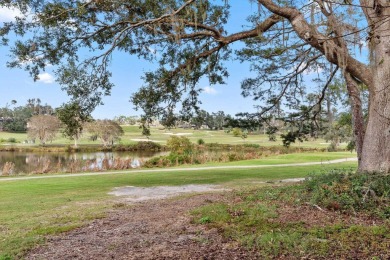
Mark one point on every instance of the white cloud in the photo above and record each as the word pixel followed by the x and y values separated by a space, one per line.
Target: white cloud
pixel 46 78
pixel 209 90
pixel 8 14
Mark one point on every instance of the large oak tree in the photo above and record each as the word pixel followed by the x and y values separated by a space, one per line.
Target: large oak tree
pixel 282 40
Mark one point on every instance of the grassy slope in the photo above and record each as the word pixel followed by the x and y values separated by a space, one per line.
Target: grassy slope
pixel 47 206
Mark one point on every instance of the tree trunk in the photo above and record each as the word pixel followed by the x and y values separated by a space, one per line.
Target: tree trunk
pixel 376 146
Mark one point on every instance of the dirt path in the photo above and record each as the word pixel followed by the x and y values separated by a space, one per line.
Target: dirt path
pixel 176 170
pixel 158 229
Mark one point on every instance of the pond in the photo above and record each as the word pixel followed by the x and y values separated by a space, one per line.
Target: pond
pixel 14 163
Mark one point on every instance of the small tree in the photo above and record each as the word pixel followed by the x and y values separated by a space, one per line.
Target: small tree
pixel 73 118
pixel 43 127
pixel 107 131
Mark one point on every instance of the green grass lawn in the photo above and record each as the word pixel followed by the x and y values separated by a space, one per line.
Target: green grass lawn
pixel 32 209
pixel 287 159
pixel 132 134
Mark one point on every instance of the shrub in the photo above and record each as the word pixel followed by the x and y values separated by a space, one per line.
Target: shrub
pixel 271 132
pixel 180 145
pixel 201 141
pixel 11 140
pixel 147 146
pixel 351 146
pixel 252 145
pixel 332 147
pixel 237 132
pixel 348 191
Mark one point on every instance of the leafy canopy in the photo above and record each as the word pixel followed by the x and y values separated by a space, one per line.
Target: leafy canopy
pixel 188 40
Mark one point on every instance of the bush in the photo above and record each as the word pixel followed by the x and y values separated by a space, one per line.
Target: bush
pixel 147 146
pixel 140 146
pixel 332 147
pixel 348 191
pixel 161 161
pixel 11 140
pixel 180 145
pixel 201 141
pixel 252 145
pixel 237 132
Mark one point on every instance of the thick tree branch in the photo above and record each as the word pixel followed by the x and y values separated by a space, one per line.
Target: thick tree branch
pixel 332 52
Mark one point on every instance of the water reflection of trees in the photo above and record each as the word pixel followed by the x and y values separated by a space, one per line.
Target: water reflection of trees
pixel 39 163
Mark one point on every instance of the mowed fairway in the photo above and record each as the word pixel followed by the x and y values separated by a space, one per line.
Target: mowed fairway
pixel 32 209
pixel 132 135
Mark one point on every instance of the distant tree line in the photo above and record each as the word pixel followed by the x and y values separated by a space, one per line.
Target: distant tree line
pixel 14 118
pixel 43 122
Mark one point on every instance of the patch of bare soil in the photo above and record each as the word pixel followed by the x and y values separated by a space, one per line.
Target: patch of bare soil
pixel 157 229
pixel 133 193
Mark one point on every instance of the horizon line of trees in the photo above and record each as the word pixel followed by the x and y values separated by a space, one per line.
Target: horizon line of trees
pixel 323 122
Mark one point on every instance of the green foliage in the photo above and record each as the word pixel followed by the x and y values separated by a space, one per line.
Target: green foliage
pixel 351 146
pixel 290 138
pixel 332 147
pixel 244 135
pixel 11 140
pixel 73 118
pixel 252 145
pixel 237 132
pixel 348 191
pixel 271 132
pixel 18 119
pixel 205 220
pixel 180 145
pixel 181 153
pixel 140 146
pixel 201 141
pixel 145 129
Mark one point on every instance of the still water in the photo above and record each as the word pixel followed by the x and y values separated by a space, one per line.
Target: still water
pixel 13 163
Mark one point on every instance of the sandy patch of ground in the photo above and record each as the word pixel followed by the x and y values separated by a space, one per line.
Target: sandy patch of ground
pixel 178 134
pixel 145 140
pixel 132 193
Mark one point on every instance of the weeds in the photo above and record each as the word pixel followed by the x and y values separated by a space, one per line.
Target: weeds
pixel 8 169
pixel 350 192
pixel 278 223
